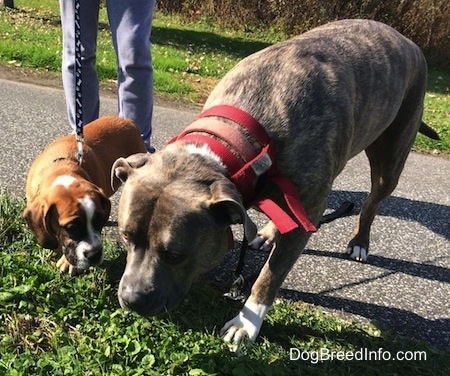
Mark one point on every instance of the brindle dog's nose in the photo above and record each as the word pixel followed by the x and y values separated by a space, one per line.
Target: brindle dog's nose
pixel 131 300
pixel 143 303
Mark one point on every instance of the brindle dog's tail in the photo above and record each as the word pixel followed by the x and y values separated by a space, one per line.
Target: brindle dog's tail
pixel 428 131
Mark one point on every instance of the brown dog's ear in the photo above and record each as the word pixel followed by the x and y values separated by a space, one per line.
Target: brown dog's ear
pixel 227 206
pixel 105 208
pixel 123 167
pixel 38 216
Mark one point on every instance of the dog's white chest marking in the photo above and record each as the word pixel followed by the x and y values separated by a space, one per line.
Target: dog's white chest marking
pixel 204 151
pixel 64 180
pixel 93 240
pixel 246 324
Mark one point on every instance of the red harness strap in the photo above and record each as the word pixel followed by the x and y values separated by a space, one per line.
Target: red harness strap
pixel 246 163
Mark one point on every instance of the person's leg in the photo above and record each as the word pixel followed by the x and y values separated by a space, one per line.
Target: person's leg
pixel 88 29
pixel 131 22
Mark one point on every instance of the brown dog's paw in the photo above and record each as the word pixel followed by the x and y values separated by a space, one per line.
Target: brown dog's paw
pixel 65 266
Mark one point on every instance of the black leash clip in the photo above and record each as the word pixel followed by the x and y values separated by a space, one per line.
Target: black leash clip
pixel 236 288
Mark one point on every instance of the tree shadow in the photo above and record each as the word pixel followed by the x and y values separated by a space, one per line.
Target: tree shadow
pixel 414 269
pixel 405 323
pixel 207 41
pixel 435 217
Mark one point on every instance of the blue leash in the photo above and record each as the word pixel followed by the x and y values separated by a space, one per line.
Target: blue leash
pixel 78 83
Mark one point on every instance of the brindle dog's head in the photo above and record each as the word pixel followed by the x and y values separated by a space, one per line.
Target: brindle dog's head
pixel 175 213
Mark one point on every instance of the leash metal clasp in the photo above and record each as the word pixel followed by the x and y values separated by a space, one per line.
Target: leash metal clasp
pixel 80 142
pixel 236 288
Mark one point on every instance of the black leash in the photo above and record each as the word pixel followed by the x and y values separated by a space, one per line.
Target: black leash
pixel 238 284
pixel 344 210
pixel 78 89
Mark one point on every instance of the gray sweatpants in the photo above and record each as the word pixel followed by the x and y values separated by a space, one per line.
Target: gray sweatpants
pixel 130 22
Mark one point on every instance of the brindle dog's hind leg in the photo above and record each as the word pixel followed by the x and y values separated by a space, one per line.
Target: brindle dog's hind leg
pixel 387 156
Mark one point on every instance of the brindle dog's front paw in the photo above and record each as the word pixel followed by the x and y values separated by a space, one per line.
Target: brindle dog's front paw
pixel 238 329
pixel 245 325
pixel 261 244
pixel 357 252
pixel 65 266
pixel 266 238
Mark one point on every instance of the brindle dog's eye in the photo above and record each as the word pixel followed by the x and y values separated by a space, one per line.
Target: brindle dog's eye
pixel 172 258
pixel 74 229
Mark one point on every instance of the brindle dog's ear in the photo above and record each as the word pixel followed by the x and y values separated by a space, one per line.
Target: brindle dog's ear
pixel 123 167
pixel 226 205
pixel 38 216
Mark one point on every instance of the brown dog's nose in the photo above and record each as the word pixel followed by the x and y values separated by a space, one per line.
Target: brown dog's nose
pixel 94 256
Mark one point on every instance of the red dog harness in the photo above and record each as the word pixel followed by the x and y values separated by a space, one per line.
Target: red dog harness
pixel 251 164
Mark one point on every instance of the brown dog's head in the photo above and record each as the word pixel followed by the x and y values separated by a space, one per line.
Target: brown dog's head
pixel 70 217
pixel 175 213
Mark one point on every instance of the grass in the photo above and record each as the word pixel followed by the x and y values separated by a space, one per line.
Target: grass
pixel 54 324
pixel 437 111
pixel 188 59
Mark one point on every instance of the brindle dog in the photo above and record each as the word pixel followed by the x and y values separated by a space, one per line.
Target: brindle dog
pixel 322 97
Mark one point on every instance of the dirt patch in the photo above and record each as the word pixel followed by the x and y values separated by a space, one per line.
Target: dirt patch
pixel 42 77
pixel 31 76
pixel 202 85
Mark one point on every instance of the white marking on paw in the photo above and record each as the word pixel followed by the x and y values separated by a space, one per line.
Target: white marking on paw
pixel 93 239
pixel 357 253
pixel 64 180
pixel 246 324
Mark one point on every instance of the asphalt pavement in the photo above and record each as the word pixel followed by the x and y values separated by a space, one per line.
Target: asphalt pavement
pixel 404 286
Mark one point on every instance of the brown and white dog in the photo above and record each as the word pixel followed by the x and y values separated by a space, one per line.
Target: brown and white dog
pixel 302 109
pixel 67 203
